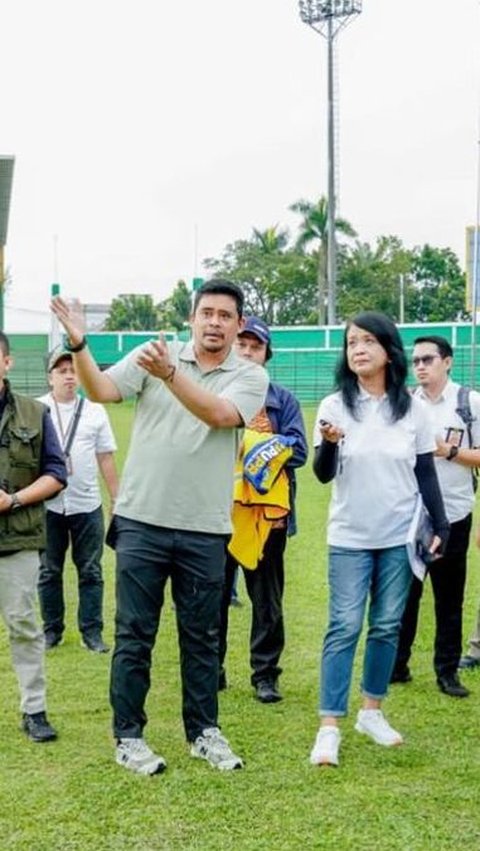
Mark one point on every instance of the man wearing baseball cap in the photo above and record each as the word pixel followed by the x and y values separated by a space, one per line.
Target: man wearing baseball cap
pixel 75 516
pixel 282 416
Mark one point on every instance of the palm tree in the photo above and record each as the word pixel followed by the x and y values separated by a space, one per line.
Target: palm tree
pixel 314 229
pixel 271 240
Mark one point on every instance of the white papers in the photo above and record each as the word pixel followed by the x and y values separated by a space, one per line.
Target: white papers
pixel 419 539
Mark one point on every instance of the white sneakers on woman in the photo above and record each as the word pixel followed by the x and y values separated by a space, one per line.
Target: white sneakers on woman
pixel 327 743
pixel 370 722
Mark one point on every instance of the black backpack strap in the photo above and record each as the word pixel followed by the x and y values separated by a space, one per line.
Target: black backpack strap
pixel 464 411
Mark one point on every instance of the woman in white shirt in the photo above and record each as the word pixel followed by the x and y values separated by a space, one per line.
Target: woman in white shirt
pixel 375 441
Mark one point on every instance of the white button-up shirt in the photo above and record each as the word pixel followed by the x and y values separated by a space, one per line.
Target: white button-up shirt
pixel 93 435
pixel 455 480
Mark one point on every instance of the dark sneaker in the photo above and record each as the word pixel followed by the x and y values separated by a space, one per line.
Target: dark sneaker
pixel 95 643
pixel 37 727
pixel 266 691
pixel 451 685
pixel 468 662
pixel 401 675
pixel 52 639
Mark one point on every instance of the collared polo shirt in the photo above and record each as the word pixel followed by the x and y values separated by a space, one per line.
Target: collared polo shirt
pixel 375 488
pixel 179 471
pixel 93 436
pixel 455 480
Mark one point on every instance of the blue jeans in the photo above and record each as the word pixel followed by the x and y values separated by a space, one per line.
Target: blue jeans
pixel 353 574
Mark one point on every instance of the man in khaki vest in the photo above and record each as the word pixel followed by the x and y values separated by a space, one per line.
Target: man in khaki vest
pixel 32 469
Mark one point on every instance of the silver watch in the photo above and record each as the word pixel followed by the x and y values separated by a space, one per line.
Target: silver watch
pixel 15 503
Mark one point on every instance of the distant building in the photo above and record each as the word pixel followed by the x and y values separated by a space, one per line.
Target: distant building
pixel 95 316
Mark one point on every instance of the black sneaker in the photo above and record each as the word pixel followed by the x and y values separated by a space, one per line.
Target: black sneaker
pixel 37 727
pixel 52 639
pixel 401 675
pixel 451 685
pixel 468 662
pixel 266 691
pixel 95 643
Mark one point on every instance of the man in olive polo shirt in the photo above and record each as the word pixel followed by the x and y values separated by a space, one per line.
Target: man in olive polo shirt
pixel 172 517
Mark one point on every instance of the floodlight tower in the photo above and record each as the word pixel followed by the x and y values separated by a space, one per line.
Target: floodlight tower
pixel 328 17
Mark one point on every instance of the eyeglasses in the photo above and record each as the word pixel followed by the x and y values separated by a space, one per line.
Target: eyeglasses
pixel 426 359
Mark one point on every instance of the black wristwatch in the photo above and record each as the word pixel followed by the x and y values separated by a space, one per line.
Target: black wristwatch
pixel 15 503
pixel 453 453
pixel 78 348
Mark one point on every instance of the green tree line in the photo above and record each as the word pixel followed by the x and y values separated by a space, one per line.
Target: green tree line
pixel 284 278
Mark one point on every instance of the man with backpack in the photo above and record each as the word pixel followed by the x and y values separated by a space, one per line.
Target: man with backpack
pixel 455 411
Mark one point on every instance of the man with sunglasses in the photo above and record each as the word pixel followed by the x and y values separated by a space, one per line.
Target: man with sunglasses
pixel 456 455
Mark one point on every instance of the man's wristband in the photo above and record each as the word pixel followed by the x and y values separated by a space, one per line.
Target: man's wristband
pixel 78 348
pixel 452 453
pixel 170 374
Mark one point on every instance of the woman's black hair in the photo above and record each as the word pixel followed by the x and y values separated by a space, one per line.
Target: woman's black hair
pixel 396 371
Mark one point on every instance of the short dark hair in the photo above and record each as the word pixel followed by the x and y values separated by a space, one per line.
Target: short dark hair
pixel 444 348
pixel 220 286
pixel 386 332
pixel 4 344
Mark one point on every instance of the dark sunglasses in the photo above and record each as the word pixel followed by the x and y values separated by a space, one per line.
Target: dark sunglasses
pixel 426 359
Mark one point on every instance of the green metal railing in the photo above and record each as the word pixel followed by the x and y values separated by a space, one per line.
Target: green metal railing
pixel 304 359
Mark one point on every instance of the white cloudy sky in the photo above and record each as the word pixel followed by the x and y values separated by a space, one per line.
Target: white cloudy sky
pixel 136 125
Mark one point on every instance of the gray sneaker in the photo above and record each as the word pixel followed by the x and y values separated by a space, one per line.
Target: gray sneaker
pixel 135 755
pixel 213 747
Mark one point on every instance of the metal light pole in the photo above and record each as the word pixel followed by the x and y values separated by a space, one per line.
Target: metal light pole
pixel 6 178
pixel 328 17
pixel 476 267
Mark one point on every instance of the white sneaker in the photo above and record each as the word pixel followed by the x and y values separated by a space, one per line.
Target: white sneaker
pixel 213 747
pixel 135 755
pixel 327 743
pixel 372 723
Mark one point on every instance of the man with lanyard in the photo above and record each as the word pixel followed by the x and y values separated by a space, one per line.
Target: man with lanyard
pixel 172 516
pixel 281 415
pixel 76 515
pixel 32 469
pixel 456 455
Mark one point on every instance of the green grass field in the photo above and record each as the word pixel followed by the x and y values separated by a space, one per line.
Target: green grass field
pixel 71 795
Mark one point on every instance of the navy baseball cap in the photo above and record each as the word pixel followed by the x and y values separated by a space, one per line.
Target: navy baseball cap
pixel 256 326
